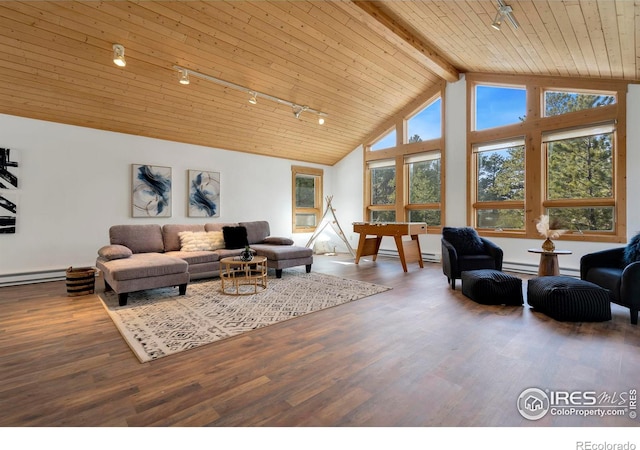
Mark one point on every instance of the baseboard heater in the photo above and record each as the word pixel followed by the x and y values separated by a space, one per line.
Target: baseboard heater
pixel 39 276
pixel 508 266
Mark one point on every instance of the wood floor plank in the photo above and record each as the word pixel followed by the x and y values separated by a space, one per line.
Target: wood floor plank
pixel 419 354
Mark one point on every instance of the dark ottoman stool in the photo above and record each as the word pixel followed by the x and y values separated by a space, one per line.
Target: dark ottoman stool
pixel 492 287
pixel 569 299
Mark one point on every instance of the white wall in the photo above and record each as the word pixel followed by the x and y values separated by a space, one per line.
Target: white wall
pixel 74 183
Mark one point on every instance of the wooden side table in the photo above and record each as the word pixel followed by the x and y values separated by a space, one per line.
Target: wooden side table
pixel 237 276
pixel 549 261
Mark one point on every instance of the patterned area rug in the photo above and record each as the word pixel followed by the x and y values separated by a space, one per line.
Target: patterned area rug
pixel 158 322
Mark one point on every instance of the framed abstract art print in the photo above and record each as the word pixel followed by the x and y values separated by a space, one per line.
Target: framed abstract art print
pixel 151 191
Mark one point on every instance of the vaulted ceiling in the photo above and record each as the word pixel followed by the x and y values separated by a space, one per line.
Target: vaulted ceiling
pixel 358 62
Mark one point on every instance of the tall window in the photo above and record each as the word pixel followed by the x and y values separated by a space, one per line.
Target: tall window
pixel 580 180
pixel 404 182
pixel 424 182
pixel 383 191
pixel 307 198
pixel 500 187
pixel 555 150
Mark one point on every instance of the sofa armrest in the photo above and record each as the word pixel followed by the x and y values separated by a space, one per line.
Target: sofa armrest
pixel 630 285
pixel 449 258
pixel 496 252
pixel 612 257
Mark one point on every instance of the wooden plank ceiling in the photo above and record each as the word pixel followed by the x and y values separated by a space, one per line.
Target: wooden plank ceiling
pixel 359 62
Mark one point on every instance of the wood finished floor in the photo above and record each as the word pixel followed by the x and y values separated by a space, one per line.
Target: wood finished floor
pixel 417 355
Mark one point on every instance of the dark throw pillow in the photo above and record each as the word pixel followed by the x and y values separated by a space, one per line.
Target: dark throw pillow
pixel 235 237
pixel 632 250
pixel 465 240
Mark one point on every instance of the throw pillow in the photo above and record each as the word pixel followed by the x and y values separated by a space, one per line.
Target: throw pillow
pixel 274 240
pixel 465 240
pixel 194 241
pixel 235 237
pixel 632 250
pixel 114 251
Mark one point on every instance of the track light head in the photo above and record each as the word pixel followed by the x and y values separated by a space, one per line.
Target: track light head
pixel 253 100
pixel 497 21
pixel 184 77
pixel 118 55
pixel 320 120
pixel 297 110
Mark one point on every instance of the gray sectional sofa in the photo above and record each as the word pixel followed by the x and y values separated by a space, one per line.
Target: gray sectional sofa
pixel 149 256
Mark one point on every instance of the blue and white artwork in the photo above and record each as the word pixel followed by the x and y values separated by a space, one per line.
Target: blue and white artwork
pixel 8 212
pixel 151 191
pixel 204 194
pixel 8 169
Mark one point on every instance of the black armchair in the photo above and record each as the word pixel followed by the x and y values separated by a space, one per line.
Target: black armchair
pixel 463 249
pixel 608 269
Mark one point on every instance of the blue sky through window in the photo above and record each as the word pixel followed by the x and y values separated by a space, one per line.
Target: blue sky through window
pixel 387 141
pixel 427 123
pixel 498 106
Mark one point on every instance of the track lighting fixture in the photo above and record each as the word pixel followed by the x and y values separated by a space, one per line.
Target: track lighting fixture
pixel 253 95
pixel 504 11
pixel 118 55
pixel 184 77
pixel 297 110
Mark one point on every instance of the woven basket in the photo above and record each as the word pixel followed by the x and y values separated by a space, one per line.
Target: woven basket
pixel 80 281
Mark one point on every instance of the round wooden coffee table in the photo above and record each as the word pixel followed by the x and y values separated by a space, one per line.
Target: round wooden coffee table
pixel 238 277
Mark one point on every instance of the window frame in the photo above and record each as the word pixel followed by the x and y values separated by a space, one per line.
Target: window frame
pixel 533 127
pixel 400 152
pixel 318 175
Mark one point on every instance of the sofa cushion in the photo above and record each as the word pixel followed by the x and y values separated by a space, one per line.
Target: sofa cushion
pixel 139 238
pixel 278 252
pixel 193 241
pixel 171 237
pixel 632 250
pixel 142 265
pixel 275 240
pixel 235 237
pixel 257 231
pixel 196 257
pixel 464 239
pixel 110 252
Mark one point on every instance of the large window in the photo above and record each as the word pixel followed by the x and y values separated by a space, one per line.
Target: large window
pixel 307 198
pixel 500 186
pixel 580 178
pixel 555 150
pixel 424 186
pixel 383 191
pixel 404 182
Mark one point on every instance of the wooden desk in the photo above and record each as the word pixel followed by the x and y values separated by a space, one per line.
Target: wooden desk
pixel 409 251
pixel 549 261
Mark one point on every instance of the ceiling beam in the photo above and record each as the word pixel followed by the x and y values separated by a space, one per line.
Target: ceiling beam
pixel 396 33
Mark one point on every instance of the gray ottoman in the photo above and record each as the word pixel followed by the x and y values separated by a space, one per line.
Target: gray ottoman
pixel 492 287
pixel 569 299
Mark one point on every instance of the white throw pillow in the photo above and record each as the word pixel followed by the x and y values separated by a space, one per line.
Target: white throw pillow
pixel 194 241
